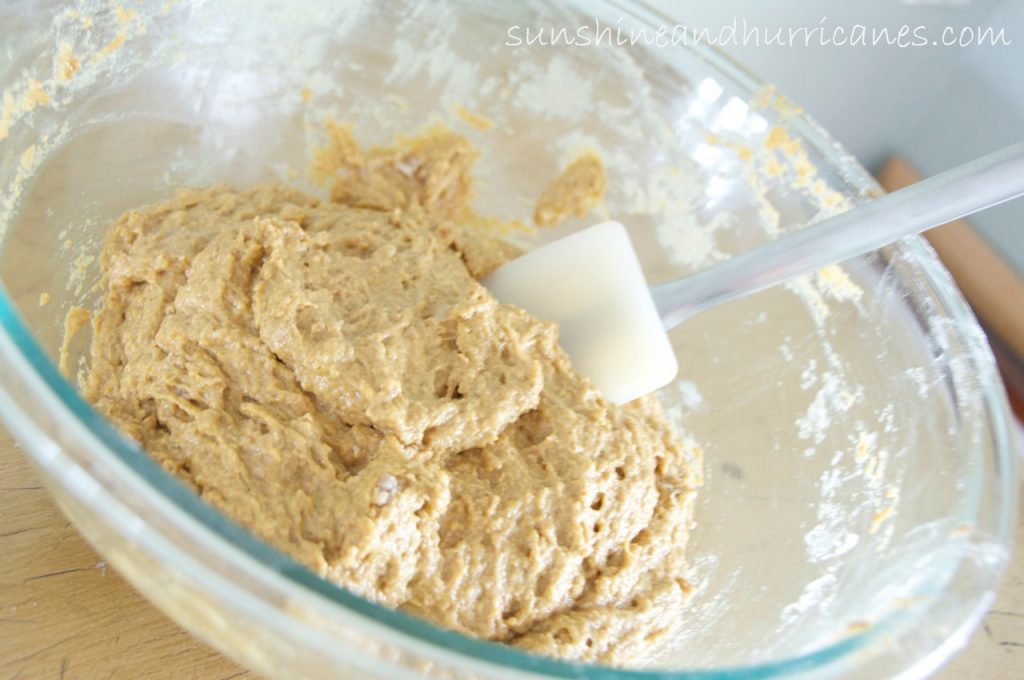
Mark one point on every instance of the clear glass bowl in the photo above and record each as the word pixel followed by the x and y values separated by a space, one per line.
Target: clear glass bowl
pixel 859 484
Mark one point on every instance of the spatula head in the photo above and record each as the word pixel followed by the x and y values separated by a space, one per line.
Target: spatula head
pixel 590 283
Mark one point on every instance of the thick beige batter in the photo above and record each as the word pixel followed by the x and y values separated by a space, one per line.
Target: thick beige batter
pixel 575 191
pixel 332 376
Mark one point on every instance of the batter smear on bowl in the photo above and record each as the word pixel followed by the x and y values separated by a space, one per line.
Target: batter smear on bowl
pixel 331 375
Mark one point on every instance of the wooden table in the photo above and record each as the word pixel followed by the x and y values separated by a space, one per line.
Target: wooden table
pixel 65 614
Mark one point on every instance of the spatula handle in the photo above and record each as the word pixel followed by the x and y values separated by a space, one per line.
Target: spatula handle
pixel 962 191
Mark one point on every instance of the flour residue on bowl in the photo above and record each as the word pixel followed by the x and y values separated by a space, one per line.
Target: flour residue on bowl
pixel 81 55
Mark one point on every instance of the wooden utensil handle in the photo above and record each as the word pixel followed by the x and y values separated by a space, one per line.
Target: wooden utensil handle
pixel 991 285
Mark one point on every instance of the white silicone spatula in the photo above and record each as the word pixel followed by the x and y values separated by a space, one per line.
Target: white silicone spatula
pixel 614 327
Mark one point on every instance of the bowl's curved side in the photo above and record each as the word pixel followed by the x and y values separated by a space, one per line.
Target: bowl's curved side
pixel 981 551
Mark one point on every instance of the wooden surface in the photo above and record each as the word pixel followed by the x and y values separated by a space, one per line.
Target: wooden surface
pixel 65 614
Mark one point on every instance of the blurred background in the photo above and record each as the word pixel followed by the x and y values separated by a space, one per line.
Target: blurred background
pixel 936 106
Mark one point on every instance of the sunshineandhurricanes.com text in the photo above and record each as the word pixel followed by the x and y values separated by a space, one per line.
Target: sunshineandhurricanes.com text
pixel 740 32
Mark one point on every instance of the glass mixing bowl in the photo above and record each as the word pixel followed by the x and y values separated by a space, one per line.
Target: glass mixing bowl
pixel 858 482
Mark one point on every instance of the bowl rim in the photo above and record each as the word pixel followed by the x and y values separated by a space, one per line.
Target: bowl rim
pixel 201 517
